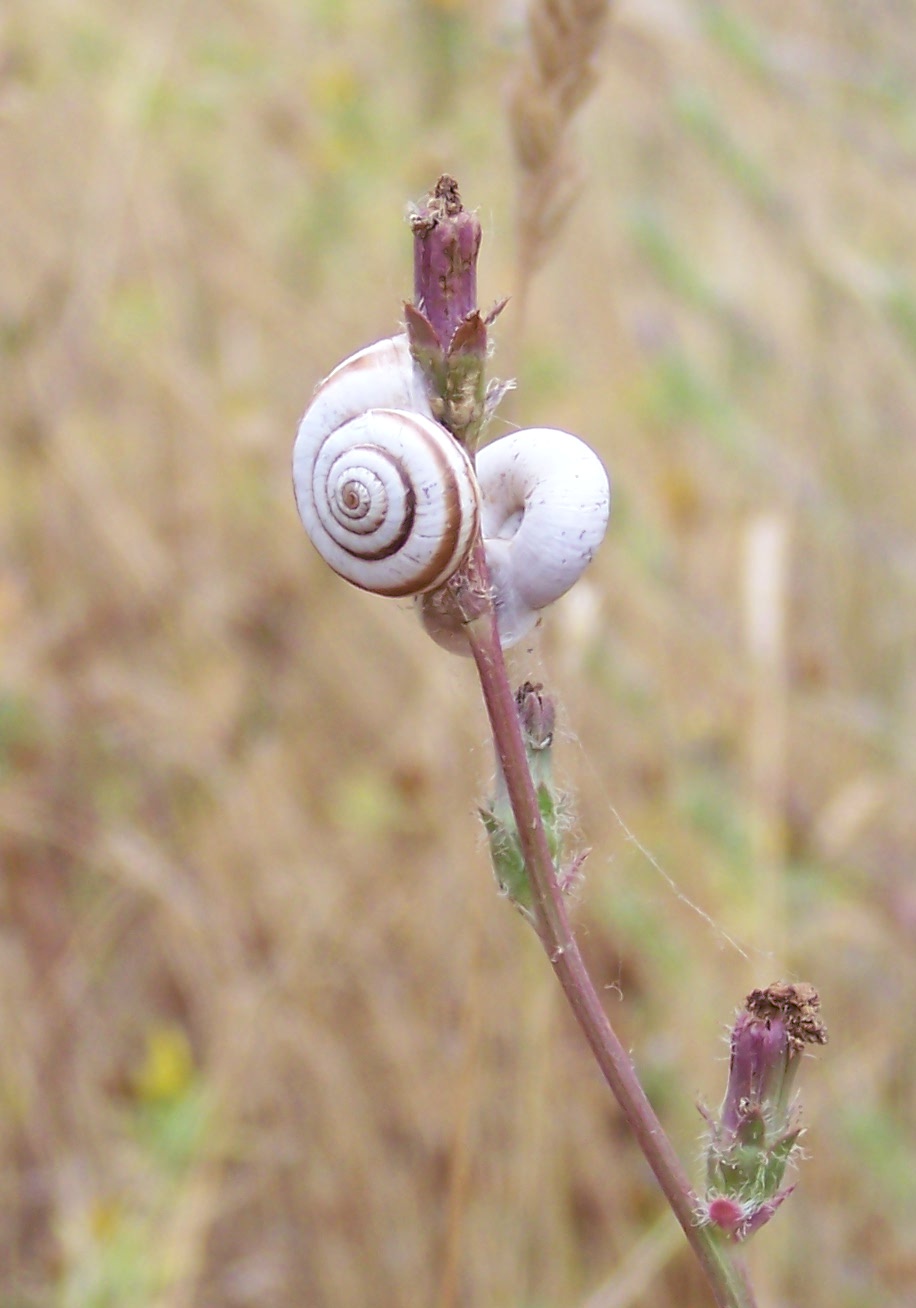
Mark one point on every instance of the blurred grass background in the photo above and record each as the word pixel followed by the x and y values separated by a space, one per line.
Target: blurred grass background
pixel 267 1036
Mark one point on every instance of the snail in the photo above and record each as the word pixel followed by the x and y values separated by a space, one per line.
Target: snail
pixel 393 503
pixel 386 494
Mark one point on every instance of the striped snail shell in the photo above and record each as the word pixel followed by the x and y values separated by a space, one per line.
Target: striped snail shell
pixel 387 495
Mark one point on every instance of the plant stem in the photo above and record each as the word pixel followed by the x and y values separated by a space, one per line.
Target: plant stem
pixel 726 1278
pixel 446 241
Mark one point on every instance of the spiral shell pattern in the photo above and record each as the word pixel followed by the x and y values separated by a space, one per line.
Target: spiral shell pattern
pixel 387 495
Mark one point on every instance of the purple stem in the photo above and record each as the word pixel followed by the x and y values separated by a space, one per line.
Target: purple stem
pixel 446 241
pixel 726 1278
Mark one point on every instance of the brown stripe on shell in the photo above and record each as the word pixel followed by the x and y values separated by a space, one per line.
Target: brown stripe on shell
pixel 373 356
pixel 451 532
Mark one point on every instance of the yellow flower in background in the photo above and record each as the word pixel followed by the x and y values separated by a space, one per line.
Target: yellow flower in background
pixel 105 1219
pixel 167 1069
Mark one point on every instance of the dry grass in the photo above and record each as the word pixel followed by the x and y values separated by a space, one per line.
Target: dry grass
pixel 555 75
pixel 266 1034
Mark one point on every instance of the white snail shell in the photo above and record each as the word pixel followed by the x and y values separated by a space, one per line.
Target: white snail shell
pixel 386 494
pixel 392 502
pixel 544 511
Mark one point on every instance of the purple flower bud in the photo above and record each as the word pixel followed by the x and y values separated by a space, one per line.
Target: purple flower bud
pixel 767 1044
pixel 757 1068
pixel 448 336
pixel 446 242
pixel 738 1220
pixel 727 1214
pixel 537 715
pixel 757 1130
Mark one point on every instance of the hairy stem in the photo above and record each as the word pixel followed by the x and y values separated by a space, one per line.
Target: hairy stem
pixel 445 328
pixel 726 1278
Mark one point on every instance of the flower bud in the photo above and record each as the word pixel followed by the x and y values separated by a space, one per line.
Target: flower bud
pixel 537 716
pixel 448 336
pixel 758 1128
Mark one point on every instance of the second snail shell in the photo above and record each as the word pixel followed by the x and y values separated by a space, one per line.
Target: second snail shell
pixel 392 501
pixel 545 501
